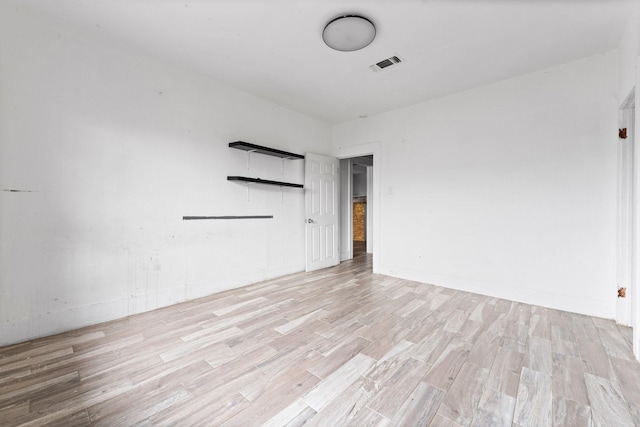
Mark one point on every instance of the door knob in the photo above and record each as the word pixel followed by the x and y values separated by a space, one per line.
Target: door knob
pixel 310 221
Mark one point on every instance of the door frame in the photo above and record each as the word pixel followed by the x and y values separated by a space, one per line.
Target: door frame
pixel 346 210
pixel 626 220
pixel 369 218
pixel 635 223
pixel 633 101
pixel 375 149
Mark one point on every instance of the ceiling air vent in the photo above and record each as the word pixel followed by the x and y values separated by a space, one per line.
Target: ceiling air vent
pixel 385 63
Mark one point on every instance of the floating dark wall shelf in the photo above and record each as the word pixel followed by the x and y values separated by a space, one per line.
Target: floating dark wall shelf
pixel 264 181
pixel 186 218
pixel 246 146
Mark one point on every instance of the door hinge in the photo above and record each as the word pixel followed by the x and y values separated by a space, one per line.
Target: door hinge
pixel 622 133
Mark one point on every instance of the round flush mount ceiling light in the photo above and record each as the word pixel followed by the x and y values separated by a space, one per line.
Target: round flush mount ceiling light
pixel 348 33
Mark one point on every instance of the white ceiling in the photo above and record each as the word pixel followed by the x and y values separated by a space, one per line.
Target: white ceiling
pixel 274 48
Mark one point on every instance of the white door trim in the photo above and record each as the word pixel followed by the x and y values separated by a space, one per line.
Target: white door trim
pixel 346 210
pixel 375 149
pixel 370 205
pixel 625 219
pixel 635 247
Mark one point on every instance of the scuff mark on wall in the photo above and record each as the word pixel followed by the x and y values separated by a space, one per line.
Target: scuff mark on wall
pixel 142 282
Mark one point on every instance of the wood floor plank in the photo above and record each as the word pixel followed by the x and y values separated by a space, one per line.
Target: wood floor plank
pixel 368 418
pixel 567 412
pixel 595 359
pixel 62 410
pixel 518 326
pixel 391 362
pixel 274 398
pixel 292 324
pixel 304 357
pixel 463 396
pixel 119 412
pixel 295 412
pixel 13 412
pixel 407 309
pixel 225 310
pixel 53 399
pixel 628 379
pixel 505 371
pixel 627 334
pixel 205 410
pixel 382 343
pixel 304 335
pixel 440 421
pixel 34 360
pixel 540 326
pixel 483 352
pixel 568 348
pixel 534 400
pixel 301 419
pixel 559 317
pixel 338 357
pixel 615 344
pixel 539 355
pixel 431 347
pixel 13 393
pixel 445 369
pixel 608 406
pixel 77 419
pixel 563 333
pixel 420 407
pixel 265 383
pixel 339 346
pixel 346 405
pixel 240 371
pixel 495 409
pixel 10 376
pixel 87 354
pixel 422 324
pixel 471 330
pixel 397 389
pixel 456 320
pixel 568 378
pixel 583 327
pixel 480 312
pixel 330 387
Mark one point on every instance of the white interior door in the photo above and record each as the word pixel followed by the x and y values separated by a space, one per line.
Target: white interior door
pixel 322 184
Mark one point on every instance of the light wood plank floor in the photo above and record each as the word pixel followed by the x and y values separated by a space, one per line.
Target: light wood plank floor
pixel 341 346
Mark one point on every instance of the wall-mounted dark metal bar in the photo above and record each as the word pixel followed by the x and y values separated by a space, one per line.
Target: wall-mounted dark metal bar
pixel 186 218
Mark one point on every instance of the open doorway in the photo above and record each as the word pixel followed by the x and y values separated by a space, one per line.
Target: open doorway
pixel 356 206
pixel 362 173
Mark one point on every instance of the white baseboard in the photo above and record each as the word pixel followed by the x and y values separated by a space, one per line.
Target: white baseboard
pixel 557 301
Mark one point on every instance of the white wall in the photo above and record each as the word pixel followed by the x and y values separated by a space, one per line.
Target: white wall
pixel 359 180
pixel 629 49
pixel 112 149
pixel 506 190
